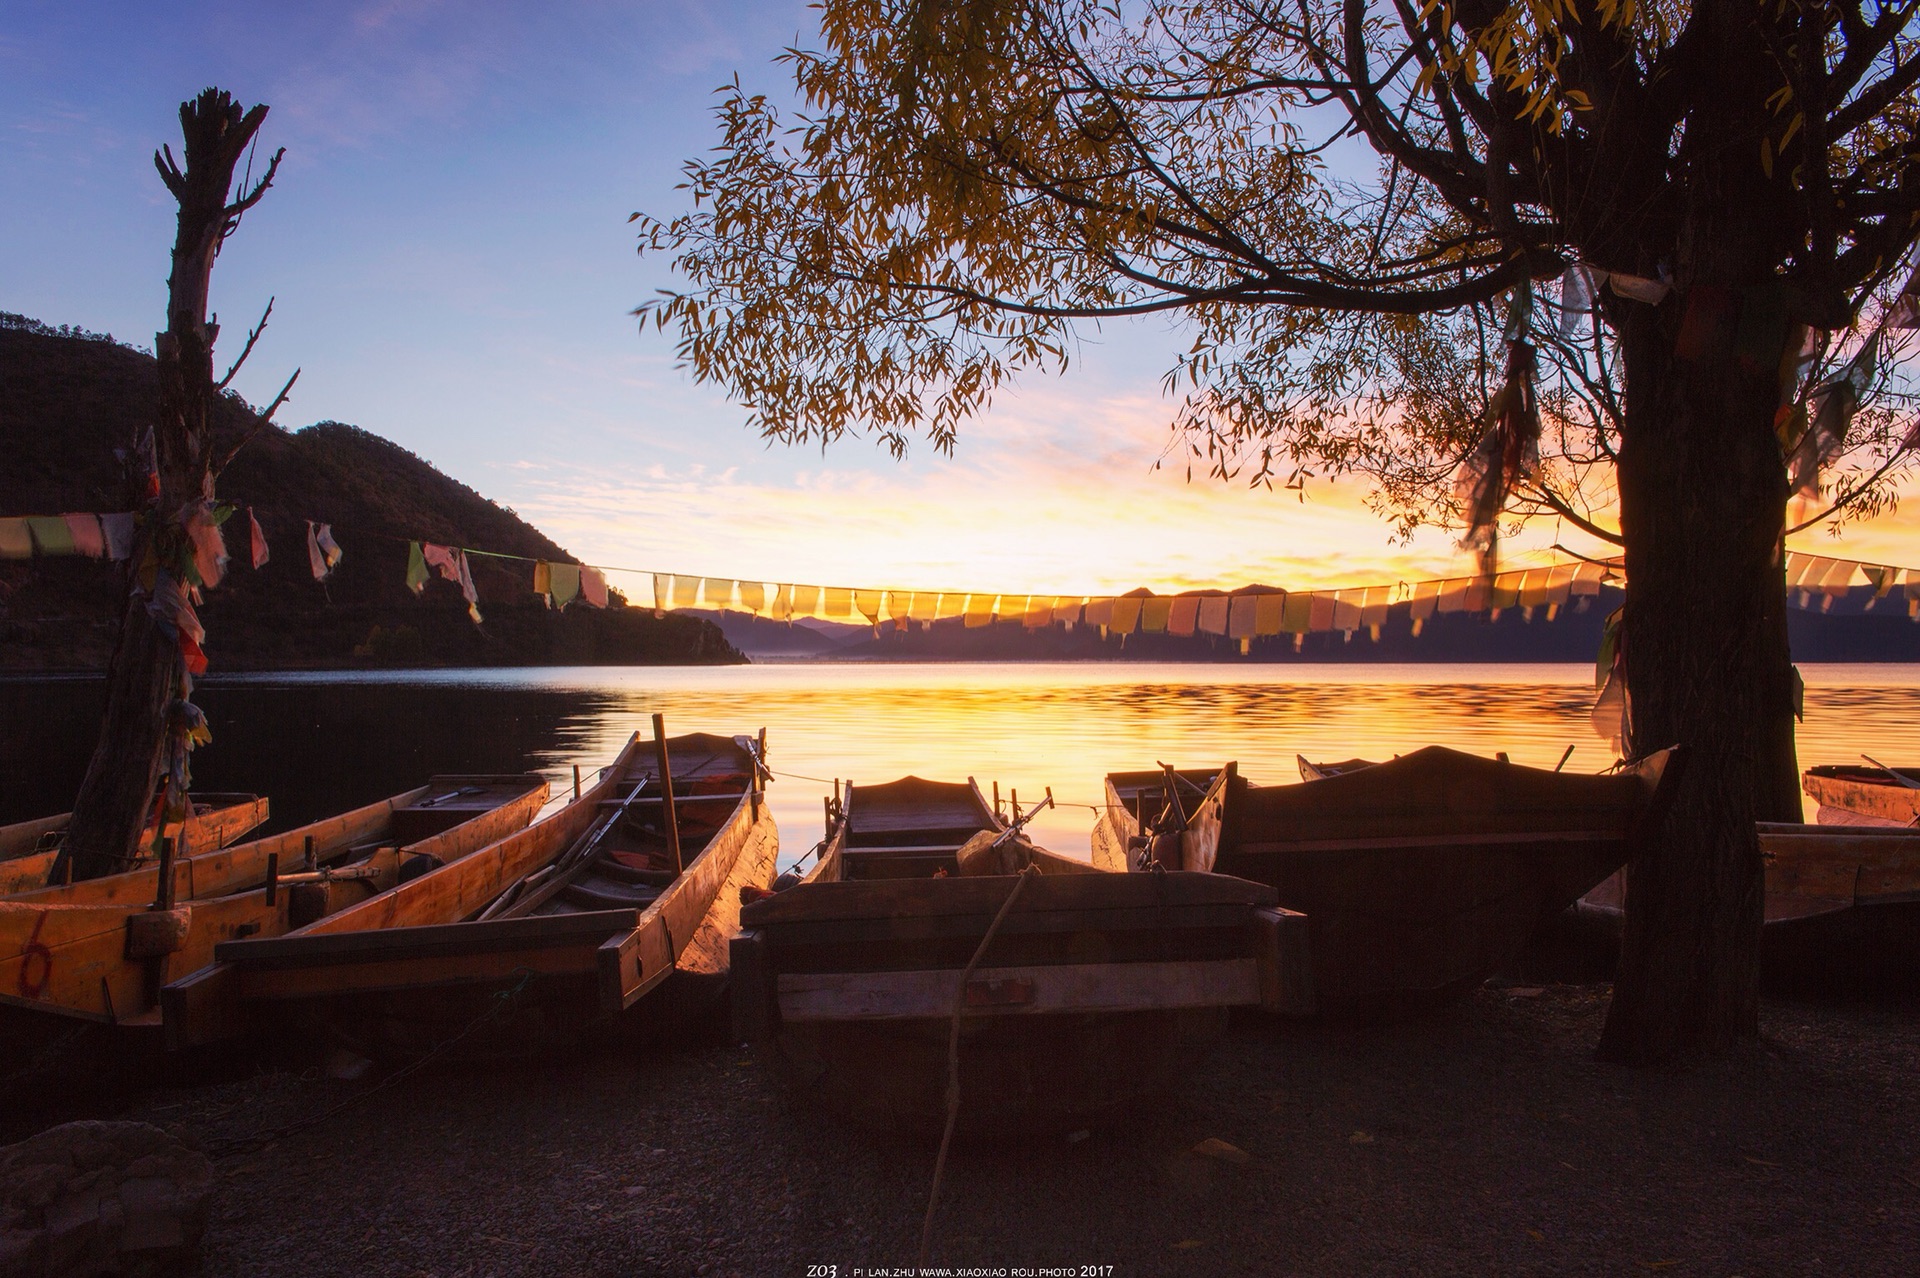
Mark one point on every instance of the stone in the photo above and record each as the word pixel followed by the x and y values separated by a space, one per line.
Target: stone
pixel 99 1198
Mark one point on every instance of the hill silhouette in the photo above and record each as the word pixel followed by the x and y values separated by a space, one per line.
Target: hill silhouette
pixel 70 399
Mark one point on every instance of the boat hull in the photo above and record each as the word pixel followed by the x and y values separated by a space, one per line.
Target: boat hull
pixel 1867 792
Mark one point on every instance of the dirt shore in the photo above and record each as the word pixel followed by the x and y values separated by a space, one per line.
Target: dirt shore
pixel 1483 1140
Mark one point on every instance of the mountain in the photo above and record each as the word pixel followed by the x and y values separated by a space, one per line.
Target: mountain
pixel 69 399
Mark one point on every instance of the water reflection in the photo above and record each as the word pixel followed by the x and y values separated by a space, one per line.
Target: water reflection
pixel 321 742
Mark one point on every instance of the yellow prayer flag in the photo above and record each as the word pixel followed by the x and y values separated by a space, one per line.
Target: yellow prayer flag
pixel 1587 578
pixel 1559 584
pixel 662 593
pixel 868 602
pixel 1533 587
pixel 925 604
pixel 1505 590
pixel 1797 566
pixel 1154 612
pixel 980 610
pixel 806 601
pixel 1426 594
pixel 1373 608
pixel 686 592
pixel 1066 610
pixel 949 607
pixel 1126 615
pixel 1270 614
pixel 753 595
pixel 716 593
pixel 1039 612
pixel 839 601
pixel 899 606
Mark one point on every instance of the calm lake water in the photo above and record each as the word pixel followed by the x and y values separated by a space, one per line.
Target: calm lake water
pixel 321 742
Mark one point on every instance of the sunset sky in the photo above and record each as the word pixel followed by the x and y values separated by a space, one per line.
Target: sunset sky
pixel 449 246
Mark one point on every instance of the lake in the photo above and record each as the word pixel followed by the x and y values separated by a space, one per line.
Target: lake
pixel 321 742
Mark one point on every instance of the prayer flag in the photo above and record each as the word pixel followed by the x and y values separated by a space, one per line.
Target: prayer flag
pixel 1039 612
pixel 686 591
pixel 50 535
pixel 322 553
pixel 949 607
pixel 87 537
pixel 1373 609
pixel 753 595
pixel 564 582
pixel 1269 614
pixel 806 600
pixel 1243 616
pixel 868 602
pixel 15 541
pixel 1126 615
pixel 1155 610
pixel 118 528
pixel 417 570
pixel 980 610
pixel 1099 611
pixel 662 589
pixel 1453 594
pixel 1320 618
pixel 593 587
pixel 1426 595
pixel 542 580
pixel 1186 611
pixel 782 609
pixel 1504 590
pixel 1346 609
pixel 839 601
pixel 256 539
pixel 467 590
pixel 1214 611
pixel 1066 610
pixel 1533 587
pixel 899 607
pixel 925 606
pixel 718 593
pixel 1478 588
pixel 209 547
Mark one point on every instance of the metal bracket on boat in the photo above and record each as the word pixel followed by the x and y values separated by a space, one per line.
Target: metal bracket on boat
pixel 1019 823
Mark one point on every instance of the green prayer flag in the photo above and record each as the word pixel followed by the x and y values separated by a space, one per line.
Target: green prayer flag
pixel 51 536
pixel 416 568
pixel 565 581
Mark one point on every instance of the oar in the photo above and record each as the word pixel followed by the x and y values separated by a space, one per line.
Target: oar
pixel 1902 778
pixel 1019 823
pixel 1563 759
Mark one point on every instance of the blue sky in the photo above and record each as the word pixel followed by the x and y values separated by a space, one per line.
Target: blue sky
pixel 449 246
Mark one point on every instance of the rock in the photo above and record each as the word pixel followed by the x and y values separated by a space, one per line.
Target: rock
pixel 99 1198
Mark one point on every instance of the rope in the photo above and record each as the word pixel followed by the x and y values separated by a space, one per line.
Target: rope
pixel 502 999
pixel 953 1058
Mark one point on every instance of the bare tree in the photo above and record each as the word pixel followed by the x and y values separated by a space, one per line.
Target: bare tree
pixel 150 723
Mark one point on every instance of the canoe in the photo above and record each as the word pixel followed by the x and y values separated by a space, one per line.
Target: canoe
pixel 101 949
pixel 1842 910
pixel 1096 992
pixel 1858 794
pixel 574 920
pixel 28 849
pixel 1419 877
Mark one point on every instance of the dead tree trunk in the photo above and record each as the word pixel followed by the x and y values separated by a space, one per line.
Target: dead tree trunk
pixel 150 676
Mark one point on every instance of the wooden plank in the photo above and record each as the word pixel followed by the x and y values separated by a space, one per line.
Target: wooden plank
pixel 1286 967
pixel 23 870
pixel 752 985
pixel 1020 922
pixel 923 897
pixel 1467 840
pixel 415 972
pixel 319 949
pixel 1019 991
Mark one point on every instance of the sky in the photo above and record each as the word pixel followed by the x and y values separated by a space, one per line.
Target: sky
pixel 448 246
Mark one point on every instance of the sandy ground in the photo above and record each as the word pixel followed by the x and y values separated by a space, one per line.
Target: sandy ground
pixel 1482 1140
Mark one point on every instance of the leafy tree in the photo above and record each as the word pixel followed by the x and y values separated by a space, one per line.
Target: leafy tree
pixel 150 724
pixel 1353 204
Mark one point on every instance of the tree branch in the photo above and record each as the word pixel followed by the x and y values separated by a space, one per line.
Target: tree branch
pixel 252 337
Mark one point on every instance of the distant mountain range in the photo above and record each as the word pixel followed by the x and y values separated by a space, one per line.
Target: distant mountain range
pixel 1850 631
pixel 68 400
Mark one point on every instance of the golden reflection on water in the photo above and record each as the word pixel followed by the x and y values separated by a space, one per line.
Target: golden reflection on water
pixel 1066 725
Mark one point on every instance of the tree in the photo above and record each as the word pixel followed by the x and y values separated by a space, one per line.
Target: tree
pixel 1333 194
pixel 150 725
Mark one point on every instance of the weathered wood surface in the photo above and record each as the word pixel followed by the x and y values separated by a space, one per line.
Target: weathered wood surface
pixel 1423 876
pixel 420 937
pixel 218 820
pixel 1019 991
pixel 69 956
pixel 1867 791
pixel 1099 989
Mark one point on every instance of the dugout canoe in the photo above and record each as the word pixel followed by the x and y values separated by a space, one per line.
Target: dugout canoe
pixel 1842 908
pixel 1419 877
pixel 101 949
pixel 28 848
pixel 1096 991
pixel 1862 794
pixel 546 935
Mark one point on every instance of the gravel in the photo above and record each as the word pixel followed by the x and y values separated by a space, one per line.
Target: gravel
pixel 1484 1139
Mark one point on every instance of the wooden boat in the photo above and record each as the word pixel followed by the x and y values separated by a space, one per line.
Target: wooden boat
pixel 577 916
pixel 1842 909
pixel 28 849
pixel 1096 991
pixel 101 949
pixel 1419 877
pixel 1859 794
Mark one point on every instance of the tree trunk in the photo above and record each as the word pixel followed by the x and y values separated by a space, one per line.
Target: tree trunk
pixel 147 675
